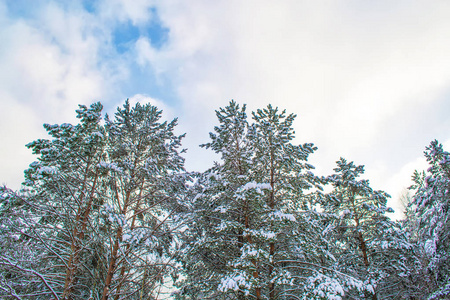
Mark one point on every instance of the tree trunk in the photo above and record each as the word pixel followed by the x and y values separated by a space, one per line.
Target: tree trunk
pixel 114 256
pixel 362 242
pixel 133 221
pixel 272 206
pixel 363 248
pixel 112 265
pixel 77 237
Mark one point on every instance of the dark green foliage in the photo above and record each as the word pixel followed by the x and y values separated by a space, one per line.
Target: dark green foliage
pixel 59 189
pixel 370 246
pixel 94 189
pixel 108 212
pixel 430 220
pixel 142 197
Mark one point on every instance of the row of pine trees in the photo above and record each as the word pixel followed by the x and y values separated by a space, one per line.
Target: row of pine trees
pixel 109 212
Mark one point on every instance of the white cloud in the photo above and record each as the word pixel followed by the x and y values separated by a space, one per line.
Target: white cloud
pixel 397 181
pixel 347 69
pixel 50 64
pixel 138 12
pixel 358 74
pixel 19 125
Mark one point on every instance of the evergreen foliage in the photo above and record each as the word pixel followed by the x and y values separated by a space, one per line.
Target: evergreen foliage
pixel 95 217
pixel 55 210
pixel 108 212
pixel 430 205
pixel 142 195
pixel 285 218
pixel 253 229
pixel 369 245
pixel 220 214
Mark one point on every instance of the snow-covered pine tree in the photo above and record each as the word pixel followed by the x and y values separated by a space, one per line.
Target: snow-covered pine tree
pixel 49 222
pixel 288 225
pixel 223 206
pixel 253 230
pixel 370 247
pixel 142 196
pixel 96 217
pixel 431 203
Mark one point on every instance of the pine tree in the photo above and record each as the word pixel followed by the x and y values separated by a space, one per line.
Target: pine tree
pixel 97 216
pixel 220 215
pixel 252 229
pixel 52 220
pixel 432 220
pixel 372 248
pixel 142 197
pixel 288 223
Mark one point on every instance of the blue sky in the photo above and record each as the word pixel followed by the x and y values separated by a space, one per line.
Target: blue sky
pixel 369 80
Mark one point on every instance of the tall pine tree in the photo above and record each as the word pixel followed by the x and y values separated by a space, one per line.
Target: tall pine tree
pixel 53 220
pixel 287 223
pixel 371 247
pixel 221 214
pixel 142 196
pixel 97 216
pixel 430 204
pixel 252 215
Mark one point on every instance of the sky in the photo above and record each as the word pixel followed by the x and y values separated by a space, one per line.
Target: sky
pixel 368 80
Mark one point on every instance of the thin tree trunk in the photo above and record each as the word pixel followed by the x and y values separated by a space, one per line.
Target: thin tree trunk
pixel 133 221
pixel 247 226
pixel 77 236
pixel 363 248
pixel 272 206
pixel 114 256
pixel 362 242
pixel 114 253
pixel 144 282
pixel 112 265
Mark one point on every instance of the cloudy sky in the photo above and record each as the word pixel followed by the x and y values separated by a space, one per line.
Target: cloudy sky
pixel 369 80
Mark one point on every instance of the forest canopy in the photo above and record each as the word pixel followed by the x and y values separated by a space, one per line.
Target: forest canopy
pixel 108 211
